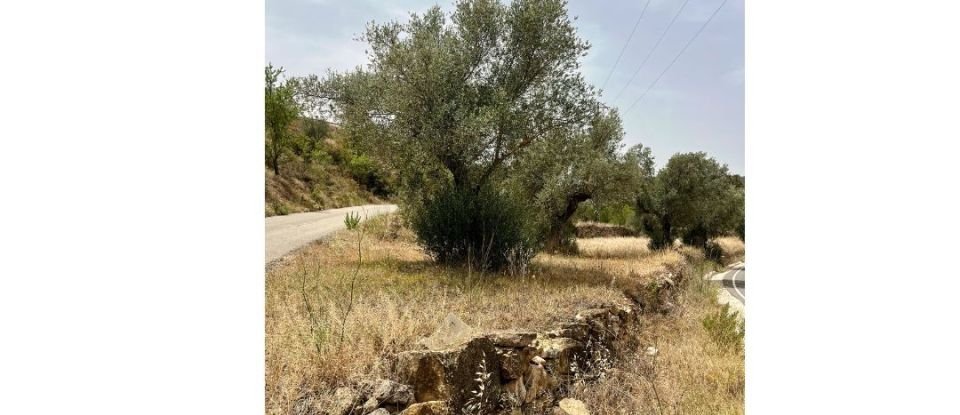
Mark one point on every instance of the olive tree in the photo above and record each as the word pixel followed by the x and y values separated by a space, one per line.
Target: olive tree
pixel 453 101
pixel 467 94
pixel 280 111
pixel 559 174
pixel 693 196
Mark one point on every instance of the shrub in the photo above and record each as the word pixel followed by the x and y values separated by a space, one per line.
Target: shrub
pixel 486 228
pixel 366 172
pixel 337 153
pixel 622 214
pixel 698 235
pixel 713 251
pixel 724 327
pixel 619 215
pixel 653 227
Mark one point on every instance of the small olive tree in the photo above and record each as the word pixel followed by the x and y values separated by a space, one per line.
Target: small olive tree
pixel 280 112
pixel 694 197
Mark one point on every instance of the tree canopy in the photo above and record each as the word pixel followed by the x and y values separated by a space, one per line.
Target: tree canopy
pixel 693 194
pixel 559 174
pixel 485 106
pixel 459 97
pixel 280 111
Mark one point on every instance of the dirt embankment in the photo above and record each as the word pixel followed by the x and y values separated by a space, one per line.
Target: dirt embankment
pixel 308 188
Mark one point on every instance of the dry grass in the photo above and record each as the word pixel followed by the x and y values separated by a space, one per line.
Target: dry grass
pixel 614 247
pixel 401 296
pixel 635 269
pixel 731 247
pixel 587 229
pixel 690 374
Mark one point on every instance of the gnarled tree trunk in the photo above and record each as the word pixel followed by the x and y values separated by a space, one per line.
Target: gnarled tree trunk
pixel 556 235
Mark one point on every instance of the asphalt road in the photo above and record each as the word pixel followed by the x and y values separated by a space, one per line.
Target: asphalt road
pixel 733 281
pixel 289 232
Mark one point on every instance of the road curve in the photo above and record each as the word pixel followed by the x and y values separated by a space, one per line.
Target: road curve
pixel 733 282
pixel 289 232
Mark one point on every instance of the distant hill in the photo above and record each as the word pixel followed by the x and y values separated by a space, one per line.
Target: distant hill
pixel 325 176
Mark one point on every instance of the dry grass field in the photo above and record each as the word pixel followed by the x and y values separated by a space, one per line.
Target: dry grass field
pixel 731 247
pixel 614 247
pixel 690 372
pixel 588 229
pixel 400 296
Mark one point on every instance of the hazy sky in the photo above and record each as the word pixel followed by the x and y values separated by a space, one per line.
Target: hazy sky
pixel 696 106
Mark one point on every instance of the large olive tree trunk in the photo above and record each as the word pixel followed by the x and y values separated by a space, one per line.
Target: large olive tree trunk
pixel 561 226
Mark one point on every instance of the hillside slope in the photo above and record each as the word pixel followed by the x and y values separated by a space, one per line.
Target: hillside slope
pixel 326 187
pixel 325 173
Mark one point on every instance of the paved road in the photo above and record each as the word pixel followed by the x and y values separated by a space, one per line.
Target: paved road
pixel 734 281
pixel 287 233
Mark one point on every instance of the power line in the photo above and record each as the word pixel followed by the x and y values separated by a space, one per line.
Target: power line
pixel 655 45
pixel 704 26
pixel 625 45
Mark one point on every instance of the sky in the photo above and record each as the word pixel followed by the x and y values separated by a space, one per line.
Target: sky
pixel 697 105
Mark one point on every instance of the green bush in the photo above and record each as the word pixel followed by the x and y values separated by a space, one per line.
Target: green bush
pixel 725 327
pixel 698 235
pixel 485 228
pixel 366 172
pixel 653 227
pixel 622 214
pixel 712 251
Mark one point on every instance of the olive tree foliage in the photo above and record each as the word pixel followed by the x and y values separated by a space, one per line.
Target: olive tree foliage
pixel 559 174
pixel 452 100
pixel 311 140
pixel 694 197
pixel 280 111
pixel 735 209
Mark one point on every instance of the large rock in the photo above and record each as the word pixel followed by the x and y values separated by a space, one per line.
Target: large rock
pixel 537 380
pixel 427 408
pixel 380 411
pixel 386 394
pixel 449 374
pixel 514 363
pixel 451 332
pixel 569 406
pixel 344 400
pixel 561 354
pixel 656 296
pixel 391 393
pixel 603 322
pixel 575 330
pixel 514 339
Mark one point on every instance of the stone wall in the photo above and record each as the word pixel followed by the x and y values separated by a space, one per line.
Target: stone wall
pixel 516 368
